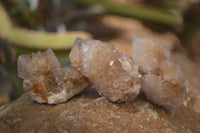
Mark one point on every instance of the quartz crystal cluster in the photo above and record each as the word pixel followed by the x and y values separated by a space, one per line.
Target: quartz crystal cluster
pixel 162 80
pixel 114 75
pixel 46 80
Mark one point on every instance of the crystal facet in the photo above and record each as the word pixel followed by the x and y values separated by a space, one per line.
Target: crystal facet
pixel 46 80
pixel 113 75
pixel 162 81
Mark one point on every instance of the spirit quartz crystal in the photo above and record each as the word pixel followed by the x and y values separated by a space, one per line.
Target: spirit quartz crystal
pixel 114 75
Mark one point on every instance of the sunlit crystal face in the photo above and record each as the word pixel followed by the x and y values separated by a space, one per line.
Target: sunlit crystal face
pixel 114 75
pixel 162 81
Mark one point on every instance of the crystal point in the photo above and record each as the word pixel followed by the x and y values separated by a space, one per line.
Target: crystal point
pixel 113 75
pixel 162 81
pixel 46 80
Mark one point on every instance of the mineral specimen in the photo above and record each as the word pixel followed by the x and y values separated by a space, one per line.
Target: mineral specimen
pixel 114 75
pixel 148 54
pixel 162 81
pixel 46 80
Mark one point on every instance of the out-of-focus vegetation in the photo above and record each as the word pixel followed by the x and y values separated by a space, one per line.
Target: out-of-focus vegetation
pixel 144 13
pixel 30 25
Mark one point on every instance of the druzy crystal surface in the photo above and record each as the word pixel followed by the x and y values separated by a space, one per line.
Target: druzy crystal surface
pixel 46 80
pixel 114 75
pixel 162 80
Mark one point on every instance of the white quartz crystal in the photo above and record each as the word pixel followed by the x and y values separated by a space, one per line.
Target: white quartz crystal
pixel 46 80
pixel 162 81
pixel 114 75
pixel 148 54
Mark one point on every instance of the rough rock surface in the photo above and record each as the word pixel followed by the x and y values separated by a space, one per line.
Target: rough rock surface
pixel 90 113
pixel 163 81
pixel 46 80
pixel 114 75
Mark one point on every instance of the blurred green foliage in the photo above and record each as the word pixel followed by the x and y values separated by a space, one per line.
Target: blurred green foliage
pixel 9 83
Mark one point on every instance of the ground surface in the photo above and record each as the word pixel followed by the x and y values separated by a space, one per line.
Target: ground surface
pixel 87 113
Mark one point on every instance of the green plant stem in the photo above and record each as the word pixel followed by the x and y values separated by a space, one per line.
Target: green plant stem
pixel 5 23
pixel 36 39
pixel 143 13
pixel 43 40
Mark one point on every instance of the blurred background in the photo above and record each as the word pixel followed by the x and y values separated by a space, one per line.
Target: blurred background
pixel 30 25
